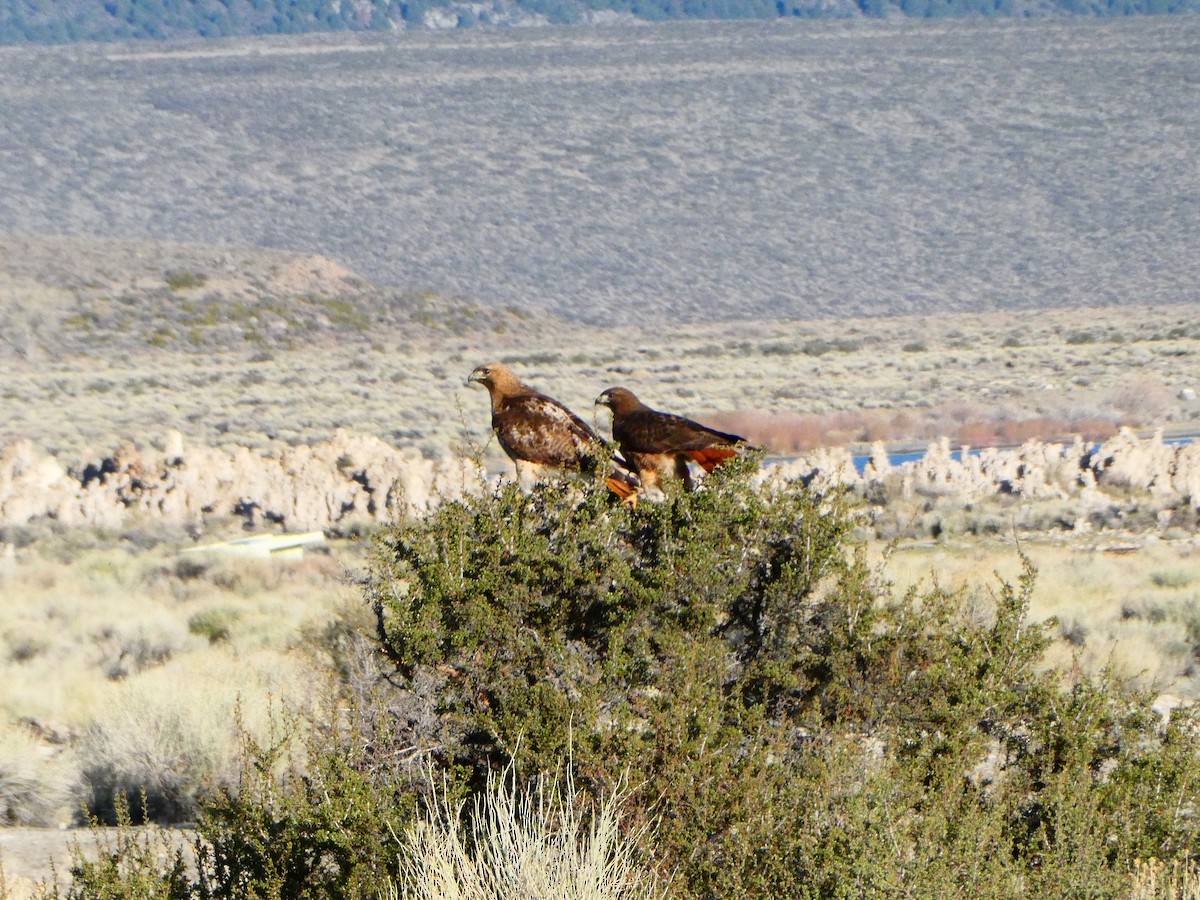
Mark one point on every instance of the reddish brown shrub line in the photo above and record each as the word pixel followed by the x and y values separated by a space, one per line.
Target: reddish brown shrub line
pixel 785 433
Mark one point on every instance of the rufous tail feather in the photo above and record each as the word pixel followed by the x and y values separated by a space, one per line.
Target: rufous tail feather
pixel 624 490
pixel 711 457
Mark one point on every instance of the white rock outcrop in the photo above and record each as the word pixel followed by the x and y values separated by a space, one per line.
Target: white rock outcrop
pixel 354 478
pixel 347 479
pixel 1124 465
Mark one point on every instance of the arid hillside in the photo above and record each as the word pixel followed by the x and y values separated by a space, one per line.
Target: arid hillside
pixel 62 296
pixel 106 343
pixel 677 172
pixel 190 385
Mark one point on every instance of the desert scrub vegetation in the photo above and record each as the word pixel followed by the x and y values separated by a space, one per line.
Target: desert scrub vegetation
pixel 753 378
pixel 781 719
pixel 797 729
pixel 125 666
pixel 84 297
pixel 1136 613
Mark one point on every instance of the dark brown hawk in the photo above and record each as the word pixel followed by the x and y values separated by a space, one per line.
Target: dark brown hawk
pixel 660 444
pixel 539 433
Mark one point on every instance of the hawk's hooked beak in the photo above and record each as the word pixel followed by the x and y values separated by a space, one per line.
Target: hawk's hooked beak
pixel 602 400
pixel 476 377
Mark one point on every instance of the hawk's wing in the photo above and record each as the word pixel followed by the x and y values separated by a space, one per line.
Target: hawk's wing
pixel 650 431
pixel 538 429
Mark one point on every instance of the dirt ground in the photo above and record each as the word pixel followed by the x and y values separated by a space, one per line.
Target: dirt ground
pixel 32 855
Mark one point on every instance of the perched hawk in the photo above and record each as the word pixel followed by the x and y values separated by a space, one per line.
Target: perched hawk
pixel 659 444
pixel 537 432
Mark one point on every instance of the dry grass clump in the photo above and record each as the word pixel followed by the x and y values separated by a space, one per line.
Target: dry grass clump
pixel 1156 879
pixel 16 887
pixel 547 842
pixel 36 780
pixel 177 733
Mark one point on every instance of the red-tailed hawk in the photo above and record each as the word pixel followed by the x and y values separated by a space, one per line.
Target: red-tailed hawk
pixel 659 444
pixel 538 433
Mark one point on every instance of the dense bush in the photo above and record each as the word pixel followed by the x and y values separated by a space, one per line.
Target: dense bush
pixel 796 729
pixel 787 725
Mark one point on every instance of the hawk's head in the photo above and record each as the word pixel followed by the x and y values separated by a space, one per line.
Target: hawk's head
pixel 496 377
pixel 619 400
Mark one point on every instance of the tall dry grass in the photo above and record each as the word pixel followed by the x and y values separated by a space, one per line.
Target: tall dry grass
pixel 546 843
pixel 176 733
pixel 1158 880
pixel 36 780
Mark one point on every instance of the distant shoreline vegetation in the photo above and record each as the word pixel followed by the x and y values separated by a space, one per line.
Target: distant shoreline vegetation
pixel 53 21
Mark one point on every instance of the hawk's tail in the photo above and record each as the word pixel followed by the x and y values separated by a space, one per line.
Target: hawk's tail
pixel 711 457
pixel 623 481
pixel 625 489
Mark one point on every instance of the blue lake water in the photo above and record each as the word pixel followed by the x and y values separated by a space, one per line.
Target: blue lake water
pixel 861 460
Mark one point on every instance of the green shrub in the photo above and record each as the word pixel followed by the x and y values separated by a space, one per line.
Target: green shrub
pixel 306 820
pixel 788 724
pixel 183 281
pixel 326 831
pixel 795 728
pixel 343 313
pixel 128 865
pixel 821 346
pixel 215 624
pixel 1171 578
pixel 160 337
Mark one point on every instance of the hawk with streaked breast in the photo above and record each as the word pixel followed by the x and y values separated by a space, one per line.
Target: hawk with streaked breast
pixel 538 432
